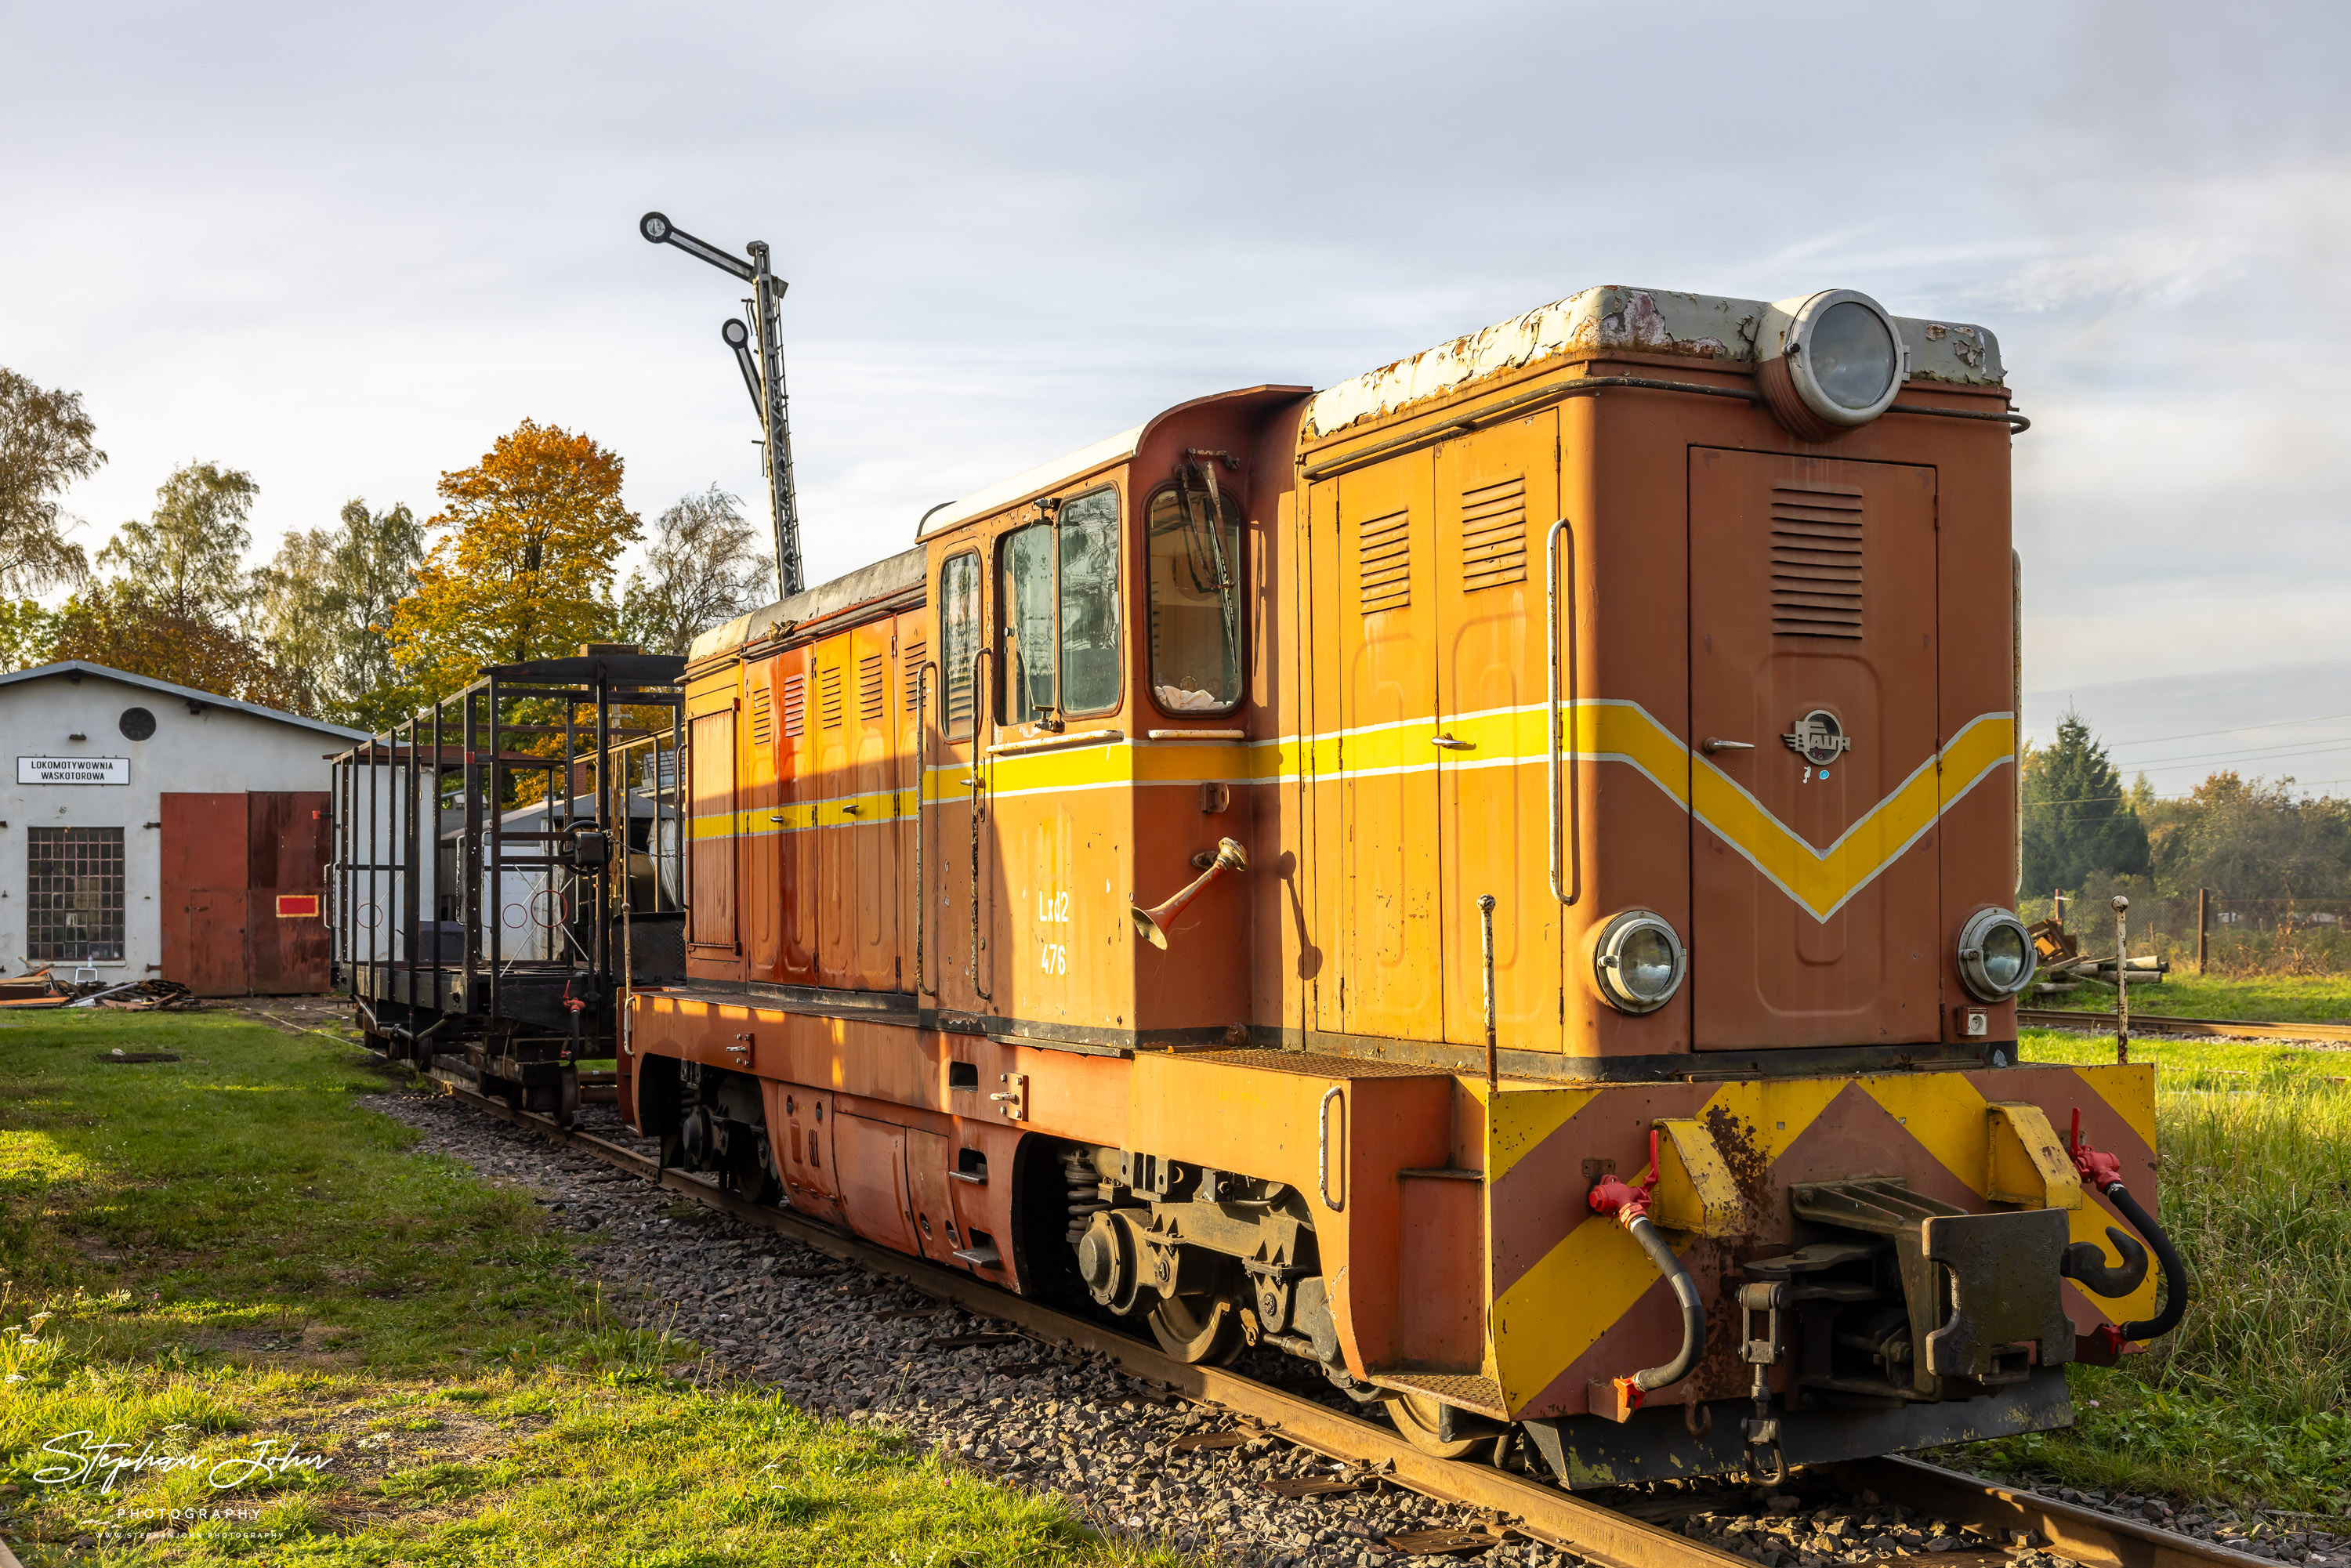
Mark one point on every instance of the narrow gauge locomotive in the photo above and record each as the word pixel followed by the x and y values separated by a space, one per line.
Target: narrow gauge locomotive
pixel 1490 877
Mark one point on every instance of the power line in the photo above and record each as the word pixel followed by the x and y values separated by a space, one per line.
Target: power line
pixel 2124 798
pixel 2240 729
pixel 2261 753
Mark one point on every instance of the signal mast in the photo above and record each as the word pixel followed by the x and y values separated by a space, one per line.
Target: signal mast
pixel 763 376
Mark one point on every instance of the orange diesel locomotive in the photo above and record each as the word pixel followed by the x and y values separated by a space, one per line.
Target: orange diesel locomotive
pixel 1491 877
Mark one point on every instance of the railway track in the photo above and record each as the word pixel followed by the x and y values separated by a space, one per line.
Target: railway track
pixel 2155 1023
pixel 1600 1534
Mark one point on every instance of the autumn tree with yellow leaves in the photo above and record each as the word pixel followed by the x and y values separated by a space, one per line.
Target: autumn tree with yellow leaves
pixel 524 564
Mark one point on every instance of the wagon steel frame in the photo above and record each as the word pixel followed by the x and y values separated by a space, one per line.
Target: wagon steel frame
pixel 515 1025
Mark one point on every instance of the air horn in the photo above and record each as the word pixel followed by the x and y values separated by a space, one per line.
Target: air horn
pixel 1152 923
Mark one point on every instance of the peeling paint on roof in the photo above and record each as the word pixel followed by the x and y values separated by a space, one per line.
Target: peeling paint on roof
pixel 1631 320
pixel 866 584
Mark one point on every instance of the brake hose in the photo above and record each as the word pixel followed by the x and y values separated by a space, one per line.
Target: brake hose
pixel 2104 1173
pixel 1630 1204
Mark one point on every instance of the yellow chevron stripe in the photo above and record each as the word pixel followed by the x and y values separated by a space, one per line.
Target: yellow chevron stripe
pixel 1820 880
pixel 1593 730
pixel 1945 1113
pixel 1517 1123
pixel 1597 1271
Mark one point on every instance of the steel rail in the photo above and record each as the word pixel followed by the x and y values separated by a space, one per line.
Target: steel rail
pixel 1594 1531
pixel 2155 1023
pixel 2086 1536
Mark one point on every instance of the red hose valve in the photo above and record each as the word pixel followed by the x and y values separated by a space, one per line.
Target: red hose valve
pixel 1611 1195
pixel 1616 1398
pixel 2098 1171
pixel 2115 1343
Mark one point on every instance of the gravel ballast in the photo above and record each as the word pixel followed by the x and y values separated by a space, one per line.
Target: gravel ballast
pixel 856 1346
pixel 1048 1417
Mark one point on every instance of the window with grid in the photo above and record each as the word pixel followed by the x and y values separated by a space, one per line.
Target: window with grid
pixel 74 882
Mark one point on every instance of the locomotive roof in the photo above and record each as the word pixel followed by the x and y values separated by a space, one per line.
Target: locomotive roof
pixel 866 584
pixel 1630 320
pixel 1044 477
pixel 1610 318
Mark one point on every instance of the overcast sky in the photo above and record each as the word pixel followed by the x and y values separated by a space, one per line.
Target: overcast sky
pixel 344 249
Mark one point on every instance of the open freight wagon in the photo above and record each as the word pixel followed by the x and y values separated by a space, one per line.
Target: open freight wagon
pixel 501 860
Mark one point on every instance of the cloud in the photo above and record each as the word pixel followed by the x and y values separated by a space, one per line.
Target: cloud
pixel 346 249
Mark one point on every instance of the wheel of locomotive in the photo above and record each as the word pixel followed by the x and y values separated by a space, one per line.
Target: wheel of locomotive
pixel 1198 1329
pixel 567 1107
pixel 1417 1416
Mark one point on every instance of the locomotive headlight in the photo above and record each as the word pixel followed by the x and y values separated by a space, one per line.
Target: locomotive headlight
pixel 1637 962
pixel 1830 361
pixel 1995 954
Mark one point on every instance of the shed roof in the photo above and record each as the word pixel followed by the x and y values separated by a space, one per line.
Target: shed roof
pixel 71 667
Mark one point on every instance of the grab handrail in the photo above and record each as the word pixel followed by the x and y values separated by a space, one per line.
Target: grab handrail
pixel 1551 684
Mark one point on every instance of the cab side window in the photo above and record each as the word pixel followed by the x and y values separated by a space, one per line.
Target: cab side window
pixel 1060 594
pixel 1090 603
pixel 1028 600
pixel 958 641
pixel 1193 567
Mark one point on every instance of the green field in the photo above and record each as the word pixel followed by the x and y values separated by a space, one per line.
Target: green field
pixel 2250 1401
pixel 2279 999
pixel 229 1251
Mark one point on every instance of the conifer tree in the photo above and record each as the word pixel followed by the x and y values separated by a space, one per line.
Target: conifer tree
pixel 2078 823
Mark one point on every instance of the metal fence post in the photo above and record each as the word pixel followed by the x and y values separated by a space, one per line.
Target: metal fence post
pixel 2122 978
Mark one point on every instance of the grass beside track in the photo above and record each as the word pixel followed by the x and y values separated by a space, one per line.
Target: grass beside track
pixel 2250 1400
pixel 2274 999
pixel 203 1257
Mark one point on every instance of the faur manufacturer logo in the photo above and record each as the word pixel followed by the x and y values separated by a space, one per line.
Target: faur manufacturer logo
pixel 1818 739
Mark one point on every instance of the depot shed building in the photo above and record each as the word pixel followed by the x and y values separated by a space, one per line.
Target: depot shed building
pixel 148 829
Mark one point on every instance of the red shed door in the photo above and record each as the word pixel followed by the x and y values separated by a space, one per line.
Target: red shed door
pixel 201 890
pixel 286 882
pixel 1814 883
pixel 213 941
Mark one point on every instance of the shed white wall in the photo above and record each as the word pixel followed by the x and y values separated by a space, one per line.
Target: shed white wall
pixel 220 749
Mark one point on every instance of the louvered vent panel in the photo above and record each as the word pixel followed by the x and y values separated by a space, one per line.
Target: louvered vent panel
pixel 763 720
pixel 961 691
pixel 1384 556
pixel 1494 535
pixel 872 688
pixel 828 697
pixel 1816 562
pixel 795 705
pixel 914 665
